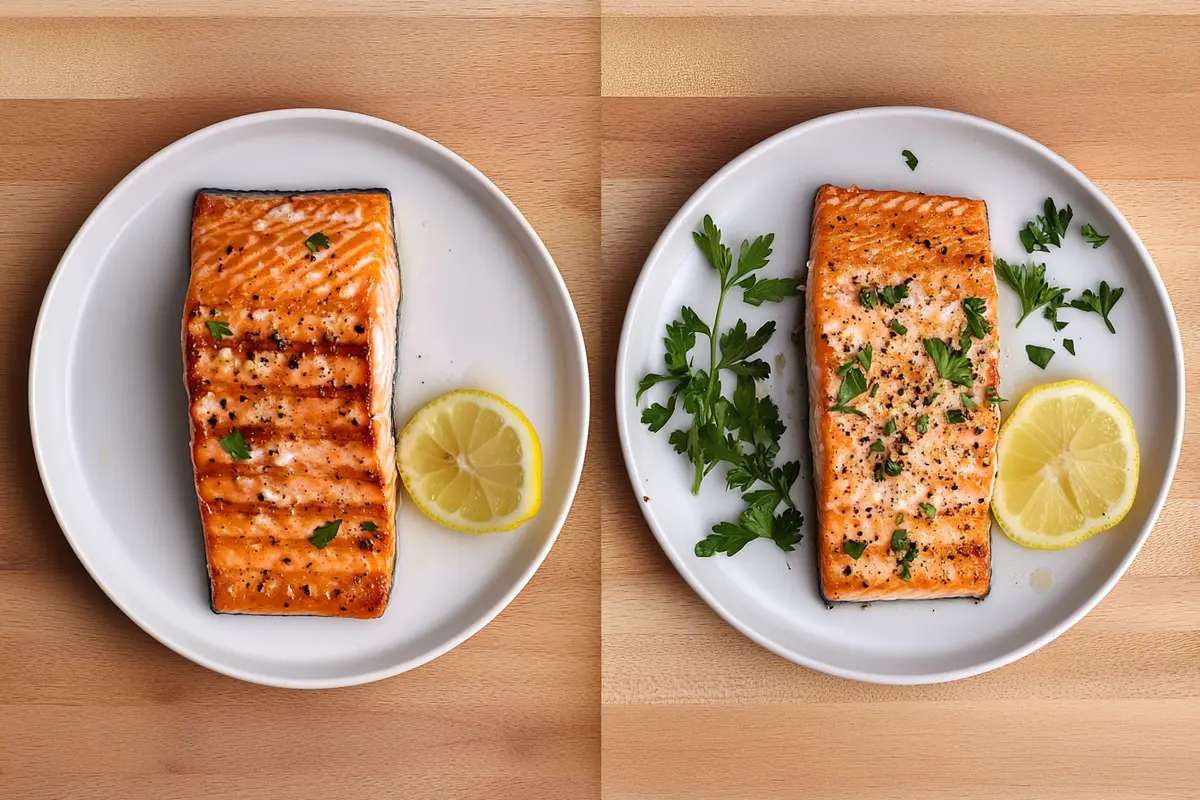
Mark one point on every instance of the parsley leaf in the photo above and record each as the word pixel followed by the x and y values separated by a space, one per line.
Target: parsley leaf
pixel 923 424
pixel 899 541
pixel 898 327
pixel 318 241
pixel 929 509
pixel 657 416
pixel 868 298
pixel 993 396
pixel 892 468
pixel 1029 282
pixel 1101 303
pixel 891 296
pixel 977 325
pixel 854 548
pixel 889 427
pixel 768 290
pixel 1091 236
pixel 1047 229
pixel 1069 346
pixel 874 389
pixel 955 416
pixel 323 534
pixel 370 526
pixel 909 159
pixel 1050 312
pixel 877 446
pixel 968 401
pixel 951 365
pixel 218 329
pixel 1039 355
pixel 854 383
pixel 235 445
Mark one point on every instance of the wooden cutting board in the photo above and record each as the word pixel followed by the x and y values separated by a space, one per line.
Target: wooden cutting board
pixel 94 708
pixel 693 709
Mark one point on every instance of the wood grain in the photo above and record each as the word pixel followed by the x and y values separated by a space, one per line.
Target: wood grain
pixel 692 709
pixel 92 706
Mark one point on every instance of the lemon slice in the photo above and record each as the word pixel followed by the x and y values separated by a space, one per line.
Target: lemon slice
pixel 471 461
pixel 1067 466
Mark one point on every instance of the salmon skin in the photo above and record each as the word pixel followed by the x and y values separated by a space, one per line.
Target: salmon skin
pixel 906 486
pixel 289 344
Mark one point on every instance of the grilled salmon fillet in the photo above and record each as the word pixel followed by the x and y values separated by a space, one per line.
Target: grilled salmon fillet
pixel 903 472
pixel 289 344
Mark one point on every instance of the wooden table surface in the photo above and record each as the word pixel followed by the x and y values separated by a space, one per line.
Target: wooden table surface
pixel 692 709
pixel 598 130
pixel 92 707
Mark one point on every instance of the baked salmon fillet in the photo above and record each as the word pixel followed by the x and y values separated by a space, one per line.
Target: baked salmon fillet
pixel 289 343
pixel 900 330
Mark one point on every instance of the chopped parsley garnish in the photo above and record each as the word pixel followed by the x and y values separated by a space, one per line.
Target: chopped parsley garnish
pixel 370 526
pixel 235 445
pixel 923 424
pixel 993 397
pixel 951 365
pixel 1047 229
pixel 854 548
pixel 323 534
pixel 900 518
pixel 1029 282
pixel 968 401
pixel 869 298
pixel 977 325
pixel 1091 236
pixel 318 241
pixel 874 388
pixel 929 509
pixel 218 329
pixel 891 296
pixel 909 159
pixel 955 416
pixel 898 327
pixel 1050 312
pixel 905 550
pixel 854 383
pixel 1101 303
pixel 1039 355
pixel 877 446
pixel 892 468
pixel 862 357
pixel 889 427
pixel 1069 346
pixel 878 473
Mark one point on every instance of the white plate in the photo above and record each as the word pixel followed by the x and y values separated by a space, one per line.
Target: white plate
pixel 772 598
pixel 484 307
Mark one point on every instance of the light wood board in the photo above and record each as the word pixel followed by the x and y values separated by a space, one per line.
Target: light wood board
pixel 94 708
pixel 692 709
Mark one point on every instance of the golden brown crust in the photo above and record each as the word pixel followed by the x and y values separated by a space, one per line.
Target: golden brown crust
pixel 939 247
pixel 304 377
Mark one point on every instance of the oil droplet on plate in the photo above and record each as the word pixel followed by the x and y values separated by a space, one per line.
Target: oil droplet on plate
pixel 1042 580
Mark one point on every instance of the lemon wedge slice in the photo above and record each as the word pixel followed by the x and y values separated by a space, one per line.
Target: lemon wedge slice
pixel 1067 466
pixel 472 462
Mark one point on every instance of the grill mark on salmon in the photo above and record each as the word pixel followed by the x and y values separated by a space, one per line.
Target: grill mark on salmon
pixel 941 247
pixel 305 376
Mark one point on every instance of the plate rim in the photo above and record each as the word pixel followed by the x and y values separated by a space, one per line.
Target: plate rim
pixel 541 261
pixel 683 217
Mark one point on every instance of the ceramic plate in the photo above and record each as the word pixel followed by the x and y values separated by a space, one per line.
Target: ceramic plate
pixel 771 596
pixel 484 307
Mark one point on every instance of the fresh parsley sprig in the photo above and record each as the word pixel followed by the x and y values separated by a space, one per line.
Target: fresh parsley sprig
pixel 742 432
pixel 1101 303
pixel 1092 236
pixel 1047 229
pixel 952 365
pixel 1029 282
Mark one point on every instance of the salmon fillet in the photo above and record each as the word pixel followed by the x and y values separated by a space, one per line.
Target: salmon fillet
pixel 289 346
pixel 910 463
